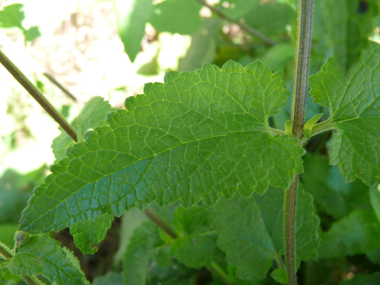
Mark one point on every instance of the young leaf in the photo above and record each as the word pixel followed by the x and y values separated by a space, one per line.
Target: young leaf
pixel 280 275
pixel 372 279
pixel 92 115
pixel 139 252
pixel 43 255
pixel 198 136
pixel 91 232
pixel 177 16
pixel 132 16
pixel 198 247
pixel 356 233
pixel 254 235
pixel 354 103
pixel 310 124
pixel 348 25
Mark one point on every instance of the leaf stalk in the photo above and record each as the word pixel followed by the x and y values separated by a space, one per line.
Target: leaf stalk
pixel 304 28
pixel 37 95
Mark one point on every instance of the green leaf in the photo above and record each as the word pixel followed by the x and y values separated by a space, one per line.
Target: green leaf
pixel 196 137
pixel 132 15
pixel 177 16
pixel 91 232
pixel 356 233
pixel 32 33
pixel 374 195
pixel 198 247
pixel 12 16
pixel 354 102
pixel 110 278
pixel 203 46
pixel 271 17
pixel 372 279
pixel 332 195
pixel 280 275
pixel 139 252
pixel 348 26
pixel 92 115
pixel 308 127
pixel 238 8
pixel 43 255
pixel 251 231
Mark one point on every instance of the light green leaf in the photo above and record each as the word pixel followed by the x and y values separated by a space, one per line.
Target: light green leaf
pixel 308 127
pixel 348 24
pixel 110 278
pixel 91 232
pixel 196 137
pixel 374 195
pixel 92 115
pixel 132 15
pixel 197 248
pixel 254 235
pixel 356 233
pixel 202 48
pixel 177 16
pixel 280 275
pixel 140 250
pixel 372 279
pixel 354 103
pixel 330 192
pixel 12 16
pixel 43 255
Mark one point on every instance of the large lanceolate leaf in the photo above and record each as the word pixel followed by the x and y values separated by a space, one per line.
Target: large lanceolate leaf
pixel 348 24
pixel 200 135
pixel 354 103
pixel 356 233
pixel 43 255
pixel 251 231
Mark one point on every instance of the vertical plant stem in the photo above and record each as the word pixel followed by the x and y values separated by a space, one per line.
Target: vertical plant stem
pixel 37 95
pixel 301 74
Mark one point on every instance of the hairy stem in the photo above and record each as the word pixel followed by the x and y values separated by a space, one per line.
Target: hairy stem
pixel 301 74
pixel 155 218
pixel 241 25
pixel 37 95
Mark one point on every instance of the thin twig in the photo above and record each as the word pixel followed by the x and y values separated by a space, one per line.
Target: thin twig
pixel 37 95
pixel 301 75
pixel 60 86
pixel 241 25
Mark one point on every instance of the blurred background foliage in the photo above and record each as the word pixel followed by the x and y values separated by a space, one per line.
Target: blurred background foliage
pixel 110 49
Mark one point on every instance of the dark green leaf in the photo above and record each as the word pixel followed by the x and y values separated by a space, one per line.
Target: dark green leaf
pixel 374 195
pixel 356 233
pixel 110 279
pixel 252 232
pixel 132 17
pixel 91 232
pixel 177 16
pixel 43 255
pixel 139 252
pixel 197 136
pixel 354 102
pixel 280 276
pixel 348 27
pixel 329 190
pixel 197 248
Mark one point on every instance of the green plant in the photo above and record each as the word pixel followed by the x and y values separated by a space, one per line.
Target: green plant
pixel 212 140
